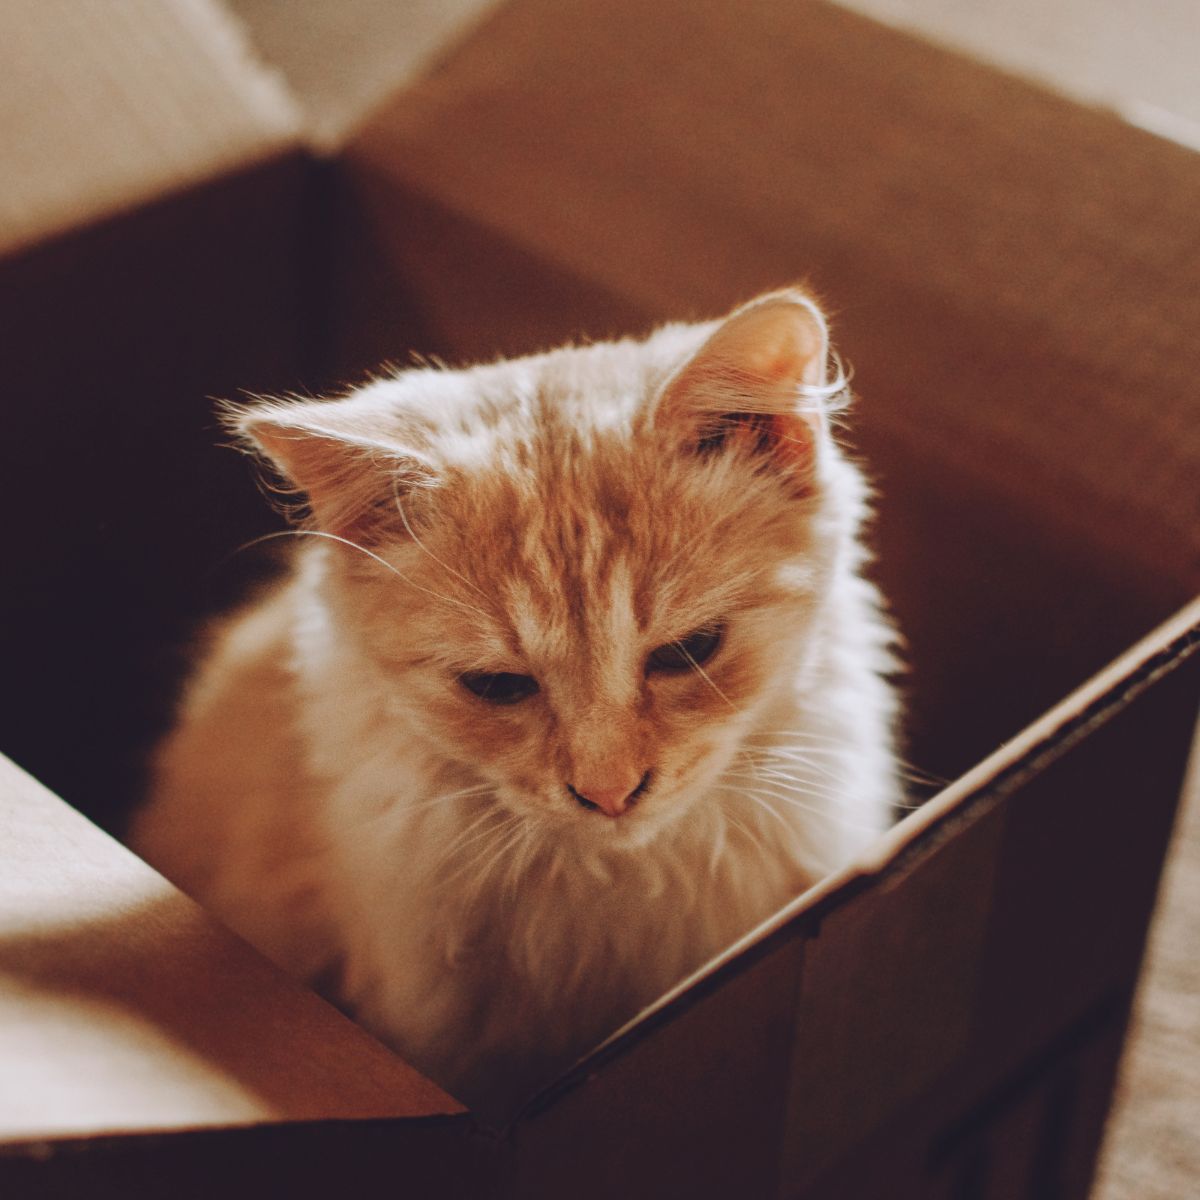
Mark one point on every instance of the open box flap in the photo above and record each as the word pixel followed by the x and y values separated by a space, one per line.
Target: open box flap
pixel 154 239
pixel 342 59
pixel 106 106
pixel 125 1007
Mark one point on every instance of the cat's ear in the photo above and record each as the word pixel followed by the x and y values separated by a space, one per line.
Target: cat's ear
pixel 353 479
pixel 757 384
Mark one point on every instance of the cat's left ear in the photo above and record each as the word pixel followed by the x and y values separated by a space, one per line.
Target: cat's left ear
pixel 758 385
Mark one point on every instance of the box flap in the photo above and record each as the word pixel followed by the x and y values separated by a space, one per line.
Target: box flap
pixel 124 1007
pixel 106 106
pixel 342 59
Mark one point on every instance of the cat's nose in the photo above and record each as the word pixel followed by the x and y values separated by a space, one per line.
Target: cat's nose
pixel 609 796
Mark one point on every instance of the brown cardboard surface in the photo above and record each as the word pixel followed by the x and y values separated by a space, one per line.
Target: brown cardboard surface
pixel 123 1006
pixel 1026 1134
pixel 151 219
pixel 116 338
pixel 1022 1106
pixel 692 1107
pixel 410 273
pixel 891 982
pixel 103 107
pixel 439 1158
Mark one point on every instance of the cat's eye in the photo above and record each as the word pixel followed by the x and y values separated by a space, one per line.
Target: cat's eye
pixel 687 652
pixel 499 687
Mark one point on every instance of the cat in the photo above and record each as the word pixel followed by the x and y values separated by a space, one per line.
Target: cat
pixel 574 680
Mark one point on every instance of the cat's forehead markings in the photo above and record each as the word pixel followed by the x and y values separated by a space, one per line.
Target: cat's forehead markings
pixel 593 628
pixel 614 638
pixel 541 636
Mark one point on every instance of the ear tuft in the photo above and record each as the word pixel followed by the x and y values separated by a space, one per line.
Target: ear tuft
pixel 756 431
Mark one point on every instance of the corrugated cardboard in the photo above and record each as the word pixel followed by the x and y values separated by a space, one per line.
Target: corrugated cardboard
pixel 1005 271
pixel 719 1087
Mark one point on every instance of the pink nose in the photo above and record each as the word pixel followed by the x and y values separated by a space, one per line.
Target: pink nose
pixel 611 800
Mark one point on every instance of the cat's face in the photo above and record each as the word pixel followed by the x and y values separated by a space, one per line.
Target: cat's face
pixel 595 645
pixel 595 568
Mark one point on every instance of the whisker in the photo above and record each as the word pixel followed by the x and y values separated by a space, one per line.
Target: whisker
pixel 412 533
pixel 797 758
pixel 387 566
pixel 765 768
pixel 917 775
pixel 751 837
pixel 514 838
pixel 787 779
pixel 804 738
pixel 398 810
pixel 836 817
pixel 793 783
pixel 795 787
pixel 518 862
pixel 796 736
pixel 762 803
pixel 480 824
pixel 836 751
pixel 705 675
pixel 477 790
pixel 502 830
pixel 719 842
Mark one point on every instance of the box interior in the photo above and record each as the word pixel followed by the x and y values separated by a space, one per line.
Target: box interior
pixel 1014 313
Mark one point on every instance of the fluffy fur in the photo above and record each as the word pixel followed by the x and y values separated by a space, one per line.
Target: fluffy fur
pixel 337 794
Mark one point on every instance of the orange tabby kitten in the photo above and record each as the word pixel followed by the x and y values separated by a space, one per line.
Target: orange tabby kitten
pixel 574 681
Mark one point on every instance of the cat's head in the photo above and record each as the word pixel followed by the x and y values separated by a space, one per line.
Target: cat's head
pixel 583 575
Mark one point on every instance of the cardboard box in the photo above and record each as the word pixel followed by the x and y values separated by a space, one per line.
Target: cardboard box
pixel 1010 277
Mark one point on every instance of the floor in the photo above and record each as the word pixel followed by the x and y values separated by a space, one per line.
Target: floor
pixel 1152 1150
pixel 1139 58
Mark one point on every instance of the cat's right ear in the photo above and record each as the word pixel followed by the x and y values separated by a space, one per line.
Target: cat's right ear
pixel 758 385
pixel 347 478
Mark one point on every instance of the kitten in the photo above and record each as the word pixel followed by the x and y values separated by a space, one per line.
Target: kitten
pixel 574 681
